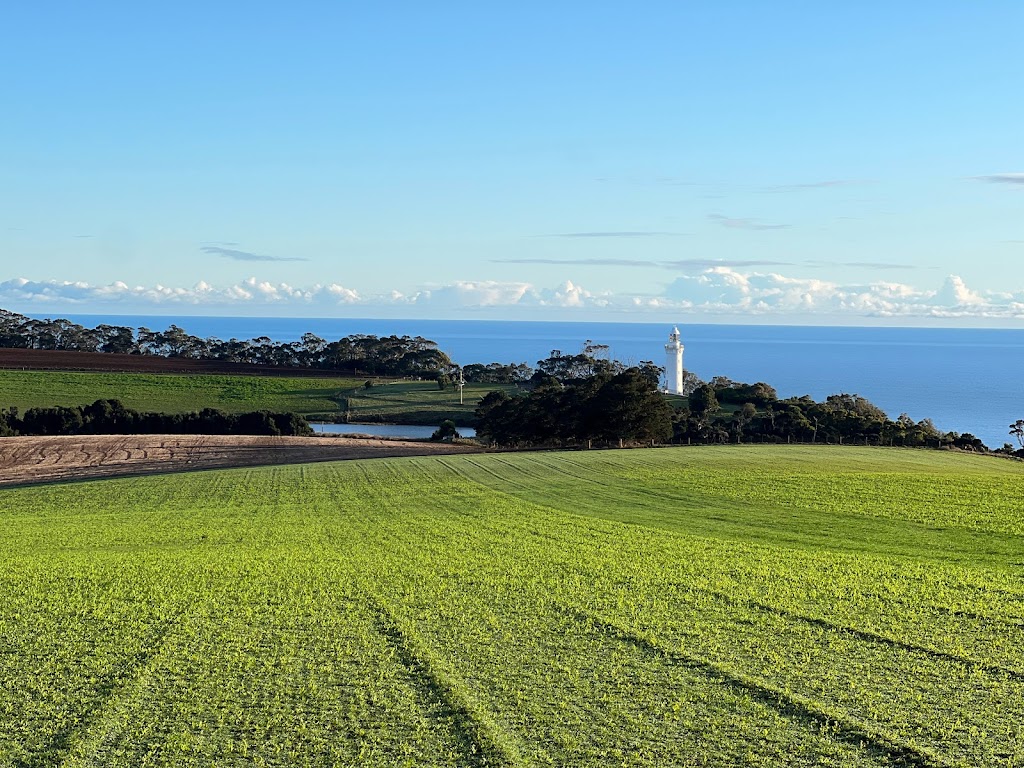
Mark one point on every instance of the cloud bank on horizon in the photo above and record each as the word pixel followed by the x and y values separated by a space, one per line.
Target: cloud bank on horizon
pixel 716 291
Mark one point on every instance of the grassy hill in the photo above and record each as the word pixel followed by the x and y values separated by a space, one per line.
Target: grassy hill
pixel 403 402
pixel 731 605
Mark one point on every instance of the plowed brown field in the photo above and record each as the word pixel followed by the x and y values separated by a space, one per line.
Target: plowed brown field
pixel 25 460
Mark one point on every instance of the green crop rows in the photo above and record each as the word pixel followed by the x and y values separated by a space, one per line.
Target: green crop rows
pixel 404 402
pixel 173 393
pixel 712 606
pixel 417 402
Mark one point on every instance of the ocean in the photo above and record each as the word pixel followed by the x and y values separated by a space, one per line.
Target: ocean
pixel 965 380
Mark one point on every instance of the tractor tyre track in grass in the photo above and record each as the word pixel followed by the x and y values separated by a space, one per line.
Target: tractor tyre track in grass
pixel 865 653
pixel 491 610
pixel 483 741
pixel 871 637
pixel 103 721
pixel 108 697
pixel 797 709
pixel 1015 622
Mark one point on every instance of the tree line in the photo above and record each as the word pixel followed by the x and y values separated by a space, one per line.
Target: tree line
pixel 360 354
pixel 497 373
pixel 609 407
pixel 111 417
pixel 580 400
pixel 723 411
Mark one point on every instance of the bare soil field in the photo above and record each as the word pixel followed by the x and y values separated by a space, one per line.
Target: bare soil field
pixel 61 360
pixel 29 460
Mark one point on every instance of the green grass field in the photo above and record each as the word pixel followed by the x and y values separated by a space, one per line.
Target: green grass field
pixel 737 605
pixel 172 393
pixel 418 402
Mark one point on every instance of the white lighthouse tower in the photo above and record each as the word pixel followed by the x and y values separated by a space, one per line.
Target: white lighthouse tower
pixel 674 363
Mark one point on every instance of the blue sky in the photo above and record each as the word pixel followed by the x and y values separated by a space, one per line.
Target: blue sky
pixel 744 162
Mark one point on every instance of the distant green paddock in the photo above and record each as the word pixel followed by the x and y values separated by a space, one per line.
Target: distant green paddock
pixel 173 393
pixel 718 606
pixel 417 402
pixel 400 402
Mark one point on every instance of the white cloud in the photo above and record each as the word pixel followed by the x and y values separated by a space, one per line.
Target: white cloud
pixel 250 291
pixel 467 293
pixel 720 290
pixel 725 290
pixel 464 294
pixel 571 295
pixel 955 293
pixel 488 293
pixel 342 294
pixel 718 285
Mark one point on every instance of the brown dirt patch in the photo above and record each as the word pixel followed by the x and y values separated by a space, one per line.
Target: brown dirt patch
pixel 30 460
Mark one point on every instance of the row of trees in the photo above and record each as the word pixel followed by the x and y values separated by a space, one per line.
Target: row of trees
pixel 110 417
pixel 606 408
pixel 764 418
pixel 497 373
pixel 727 411
pixel 591 360
pixel 582 399
pixel 359 353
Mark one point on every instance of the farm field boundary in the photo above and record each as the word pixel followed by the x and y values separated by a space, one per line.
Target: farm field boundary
pixel 327 397
pixel 173 392
pixel 26 460
pixel 111 362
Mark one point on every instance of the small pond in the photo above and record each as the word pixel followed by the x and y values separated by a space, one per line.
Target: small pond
pixel 384 430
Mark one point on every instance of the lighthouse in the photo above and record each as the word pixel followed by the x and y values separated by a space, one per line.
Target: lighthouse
pixel 674 363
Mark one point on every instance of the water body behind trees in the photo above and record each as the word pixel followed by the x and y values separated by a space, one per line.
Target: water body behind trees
pixel 408 431
pixel 967 380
